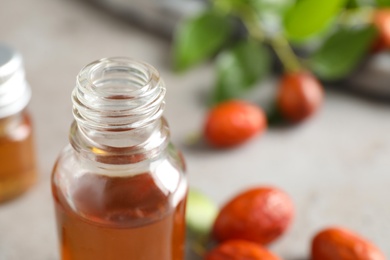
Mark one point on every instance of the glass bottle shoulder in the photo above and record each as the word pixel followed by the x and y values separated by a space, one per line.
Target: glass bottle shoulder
pixel 119 193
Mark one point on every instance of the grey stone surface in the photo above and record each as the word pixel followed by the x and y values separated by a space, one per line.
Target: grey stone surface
pixel 335 167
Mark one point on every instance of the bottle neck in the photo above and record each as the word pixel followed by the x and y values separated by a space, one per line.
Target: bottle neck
pixel 117 106
pixel 15 93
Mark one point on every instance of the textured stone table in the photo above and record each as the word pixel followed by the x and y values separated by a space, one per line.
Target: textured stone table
pixel 336 167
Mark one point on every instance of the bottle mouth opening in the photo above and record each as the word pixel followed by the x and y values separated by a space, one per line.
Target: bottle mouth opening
pixel 119 77
pixel 118 92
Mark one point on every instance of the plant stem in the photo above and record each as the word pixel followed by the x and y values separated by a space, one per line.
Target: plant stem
pixel 285 53
pixel 198 249
pixel 199 246
pixel 278 42
pixel 253 28
pixel 222 6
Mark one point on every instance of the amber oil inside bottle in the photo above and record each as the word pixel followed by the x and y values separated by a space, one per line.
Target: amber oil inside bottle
pixel 131 223
pixel 17 158
pixel 119 188
pixel 17 155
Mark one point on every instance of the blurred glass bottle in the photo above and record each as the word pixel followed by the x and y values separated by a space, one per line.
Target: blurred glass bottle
pixel 119 187
pixel 17 154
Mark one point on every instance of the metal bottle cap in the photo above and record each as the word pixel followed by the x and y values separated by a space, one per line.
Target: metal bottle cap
pixel 15 93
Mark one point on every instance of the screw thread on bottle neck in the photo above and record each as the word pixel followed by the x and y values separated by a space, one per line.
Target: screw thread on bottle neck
pixel 118 103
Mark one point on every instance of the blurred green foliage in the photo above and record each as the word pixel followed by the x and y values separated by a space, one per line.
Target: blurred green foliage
pixel 239 68
pixel 200 213
pixel 383 3
pixel 200 37
pixel 308 17
pixel 341 52
pixel 335 36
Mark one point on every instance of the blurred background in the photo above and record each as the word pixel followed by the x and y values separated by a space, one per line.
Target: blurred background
pixel 334 165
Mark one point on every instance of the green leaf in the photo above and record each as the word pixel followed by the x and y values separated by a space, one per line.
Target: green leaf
pixel 239 68
pixel 341 52
pixel 258 5
pixel 278 6
pixel 199 38
pixel 383 3
pixel 200 213
pixel 309 17
pixel 351 4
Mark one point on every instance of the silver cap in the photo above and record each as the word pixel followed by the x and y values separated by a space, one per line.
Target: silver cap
pixel 15 93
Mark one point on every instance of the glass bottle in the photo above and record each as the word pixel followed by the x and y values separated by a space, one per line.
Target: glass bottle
pixel 17 154
pixel 119 187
